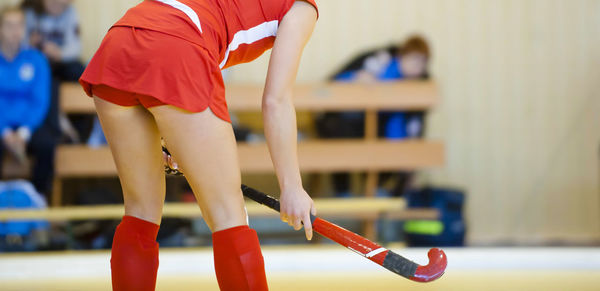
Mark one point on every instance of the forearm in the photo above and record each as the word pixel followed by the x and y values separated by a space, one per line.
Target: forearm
pixel 279 117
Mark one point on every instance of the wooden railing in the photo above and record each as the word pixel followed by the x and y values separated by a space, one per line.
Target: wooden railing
pixel 370 154
pixel 362 208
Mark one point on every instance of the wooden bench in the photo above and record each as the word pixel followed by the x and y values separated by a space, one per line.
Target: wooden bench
pixel 370 154
pixel 314 156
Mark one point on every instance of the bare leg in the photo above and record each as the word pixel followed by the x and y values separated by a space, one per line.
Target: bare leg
pixel 204 147
pixel 135 144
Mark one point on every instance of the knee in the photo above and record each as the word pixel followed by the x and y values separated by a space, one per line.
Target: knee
pixel 226 211
pixel 146 209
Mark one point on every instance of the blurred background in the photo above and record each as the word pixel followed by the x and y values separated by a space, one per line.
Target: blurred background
pixel 513 104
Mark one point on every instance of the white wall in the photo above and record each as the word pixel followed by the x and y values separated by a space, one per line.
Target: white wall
pixel 521 107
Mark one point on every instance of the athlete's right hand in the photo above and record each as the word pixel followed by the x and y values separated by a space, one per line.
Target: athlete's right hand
pixel 296 206
pixel 170 162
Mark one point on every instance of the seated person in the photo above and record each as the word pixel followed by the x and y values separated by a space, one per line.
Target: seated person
pixel 404 62
pixel 408 61
pixel 24 100
pixel 53 28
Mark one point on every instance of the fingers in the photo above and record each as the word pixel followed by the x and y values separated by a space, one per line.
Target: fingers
pixel 297 222
pixel 173 164
pixel 170 161
pixel 296 209
pixel 284 217
pixel 308 227
pixel 292 221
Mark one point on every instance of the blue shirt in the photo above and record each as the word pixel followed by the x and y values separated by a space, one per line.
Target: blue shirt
pixel 391 72
pixel 20 195
pixel 24 90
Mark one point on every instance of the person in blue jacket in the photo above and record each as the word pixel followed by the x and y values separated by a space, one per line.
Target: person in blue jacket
pixel 24 99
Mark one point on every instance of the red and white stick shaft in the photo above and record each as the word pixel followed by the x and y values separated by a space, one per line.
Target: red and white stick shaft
pixel 368 249
pixel 352 241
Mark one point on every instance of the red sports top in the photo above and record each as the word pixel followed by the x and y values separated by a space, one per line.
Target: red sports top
pixel 233 31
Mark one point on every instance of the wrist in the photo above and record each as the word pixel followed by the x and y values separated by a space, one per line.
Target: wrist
pixel 290 186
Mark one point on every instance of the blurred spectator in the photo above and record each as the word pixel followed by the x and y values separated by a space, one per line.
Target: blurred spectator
pixel 53 28
pixel 24 100
pixel 396 62
pixel 414 58
pixel 407 61
pixel 23 235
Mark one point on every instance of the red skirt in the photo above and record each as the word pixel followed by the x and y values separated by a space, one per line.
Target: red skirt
pixel 139 64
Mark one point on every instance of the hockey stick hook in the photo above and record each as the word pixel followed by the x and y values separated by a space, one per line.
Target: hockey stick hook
pixel 435 268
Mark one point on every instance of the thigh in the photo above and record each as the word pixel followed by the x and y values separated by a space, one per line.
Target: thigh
pixel 204 147
pixel 134 140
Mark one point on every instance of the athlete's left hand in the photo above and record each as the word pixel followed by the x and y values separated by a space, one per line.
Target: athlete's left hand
pixel 296 206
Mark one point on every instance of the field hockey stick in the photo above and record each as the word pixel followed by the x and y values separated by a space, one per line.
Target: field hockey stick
pixel 366 248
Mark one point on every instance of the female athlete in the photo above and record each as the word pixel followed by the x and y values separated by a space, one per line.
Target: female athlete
pixel 157 74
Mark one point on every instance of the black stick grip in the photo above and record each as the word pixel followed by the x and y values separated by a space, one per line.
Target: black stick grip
pixel 265 199
pixel 261 198
pixel 400 265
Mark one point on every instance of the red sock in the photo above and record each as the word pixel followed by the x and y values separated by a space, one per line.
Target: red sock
pixel 238 260
pixel 134 257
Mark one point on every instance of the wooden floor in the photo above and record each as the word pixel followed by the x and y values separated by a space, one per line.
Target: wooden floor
pixel 310 282
pixel 320 268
